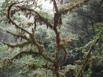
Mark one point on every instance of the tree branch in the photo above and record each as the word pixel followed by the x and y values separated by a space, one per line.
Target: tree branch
pixel 88 55
pixel 10 19
pixel 71 6
pixel 34 54
pixel 18 45
pixel 18 35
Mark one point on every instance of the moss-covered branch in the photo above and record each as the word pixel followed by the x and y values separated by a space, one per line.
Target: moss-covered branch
pixel 18 45
pixel 71 6
pixel 87 57
pixel 34 54
pixel 18 35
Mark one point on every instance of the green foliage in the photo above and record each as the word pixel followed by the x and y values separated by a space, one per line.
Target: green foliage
pixel 98 27
pixel 25 65
pixel 3 50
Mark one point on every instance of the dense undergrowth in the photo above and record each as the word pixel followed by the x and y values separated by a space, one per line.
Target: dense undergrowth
pixel 48 47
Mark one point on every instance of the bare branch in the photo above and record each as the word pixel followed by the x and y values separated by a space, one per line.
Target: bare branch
pixel 55 6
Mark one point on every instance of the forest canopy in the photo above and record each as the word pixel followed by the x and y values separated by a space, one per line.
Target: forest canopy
pixel 51 38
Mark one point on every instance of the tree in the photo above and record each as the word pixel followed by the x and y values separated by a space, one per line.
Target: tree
pixel 29 38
